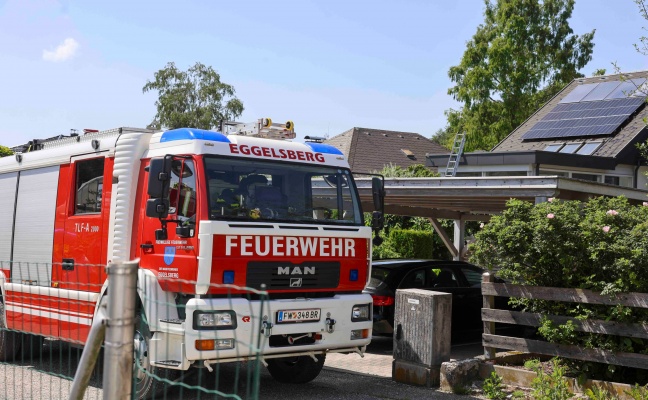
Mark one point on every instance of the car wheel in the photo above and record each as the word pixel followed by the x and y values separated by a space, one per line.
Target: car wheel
pixel 301 369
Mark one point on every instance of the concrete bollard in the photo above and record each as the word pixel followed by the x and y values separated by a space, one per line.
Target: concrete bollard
pixel 422 322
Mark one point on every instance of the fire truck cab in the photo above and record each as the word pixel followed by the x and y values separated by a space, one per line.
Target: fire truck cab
pixel 207 214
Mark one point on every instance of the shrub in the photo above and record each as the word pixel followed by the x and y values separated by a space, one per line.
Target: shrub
pixel 601 245
pixel 552 386
pixel 493 388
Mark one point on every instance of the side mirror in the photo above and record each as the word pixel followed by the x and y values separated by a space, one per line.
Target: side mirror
pixel 378 193
pixel 159 177
pixel 157 208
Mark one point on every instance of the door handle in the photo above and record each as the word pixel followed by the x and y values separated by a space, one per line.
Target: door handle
pixel 68 264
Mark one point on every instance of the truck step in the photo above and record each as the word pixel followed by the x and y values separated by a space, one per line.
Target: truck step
pixel 168 363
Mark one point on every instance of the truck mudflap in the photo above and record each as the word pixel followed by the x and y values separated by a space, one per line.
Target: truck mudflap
pixel 269 329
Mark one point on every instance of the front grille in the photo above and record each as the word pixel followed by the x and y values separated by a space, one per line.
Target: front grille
pixel 286 275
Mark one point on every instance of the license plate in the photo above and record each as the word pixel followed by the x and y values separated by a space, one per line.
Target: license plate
pixel 312 314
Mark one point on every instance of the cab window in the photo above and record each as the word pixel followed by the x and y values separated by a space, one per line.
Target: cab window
pixel 89 186
pixel 182 193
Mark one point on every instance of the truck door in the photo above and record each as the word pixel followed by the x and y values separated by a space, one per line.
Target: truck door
pixel 83 256
pixel 174 258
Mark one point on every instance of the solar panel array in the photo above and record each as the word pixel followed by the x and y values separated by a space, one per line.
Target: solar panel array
pixel 594 109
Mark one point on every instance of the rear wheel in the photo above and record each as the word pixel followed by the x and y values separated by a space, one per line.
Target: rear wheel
pixel 9 340
pixel 296 369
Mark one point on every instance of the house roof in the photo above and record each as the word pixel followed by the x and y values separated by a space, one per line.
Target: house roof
pixel 369 150
pixel 619 145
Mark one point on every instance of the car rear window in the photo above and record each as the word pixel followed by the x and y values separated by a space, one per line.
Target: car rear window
pixel 378 277
pixel 473 277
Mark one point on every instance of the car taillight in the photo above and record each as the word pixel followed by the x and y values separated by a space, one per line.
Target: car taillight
pixel 382 300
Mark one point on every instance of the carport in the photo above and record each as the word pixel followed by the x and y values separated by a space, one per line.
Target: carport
pixel 477 199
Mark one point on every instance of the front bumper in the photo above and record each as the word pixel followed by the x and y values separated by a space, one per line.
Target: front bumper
pixel 258 332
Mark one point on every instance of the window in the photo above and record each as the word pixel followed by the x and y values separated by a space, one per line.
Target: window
pixel 89 186
pixel 546 172
pixel 625 181
pixel 587 177
pixel 589 148
pixel 182 195
pixel 553 147
pixel 570 147
pixel 414 280
pixel 505 173
pixel 473 277
pixel 468 174
pixel 263 190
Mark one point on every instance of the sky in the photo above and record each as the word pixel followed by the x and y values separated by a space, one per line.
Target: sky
pixel 327 65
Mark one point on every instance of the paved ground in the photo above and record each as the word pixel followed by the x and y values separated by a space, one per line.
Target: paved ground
pixel 344 377
pixel 378 358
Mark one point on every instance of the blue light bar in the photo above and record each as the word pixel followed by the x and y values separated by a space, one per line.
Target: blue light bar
pixel 193 134
pixel 323 148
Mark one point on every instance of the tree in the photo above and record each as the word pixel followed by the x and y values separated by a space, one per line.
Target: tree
pixel 5 151
pixel 522 54
pixel 195 98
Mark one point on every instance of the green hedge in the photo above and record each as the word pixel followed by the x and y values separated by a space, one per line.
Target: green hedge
pixel 410 243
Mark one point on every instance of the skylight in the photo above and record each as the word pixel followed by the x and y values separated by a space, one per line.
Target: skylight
pixel 570 147
pixel 589 148
pixel 554 147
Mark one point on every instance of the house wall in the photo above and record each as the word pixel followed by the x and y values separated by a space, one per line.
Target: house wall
pixel 642 180
pixel 622 175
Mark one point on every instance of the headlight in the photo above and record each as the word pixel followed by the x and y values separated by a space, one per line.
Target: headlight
pixel 361 312
pixel 214 320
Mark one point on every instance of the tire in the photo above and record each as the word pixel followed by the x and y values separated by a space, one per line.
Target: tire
pixel 296 370
pixel 9 340
pixel 31 346
pixel 145 386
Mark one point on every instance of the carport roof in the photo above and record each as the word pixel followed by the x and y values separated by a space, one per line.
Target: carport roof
pixel 477 198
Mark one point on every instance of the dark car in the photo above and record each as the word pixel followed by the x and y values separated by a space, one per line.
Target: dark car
pixel 460 278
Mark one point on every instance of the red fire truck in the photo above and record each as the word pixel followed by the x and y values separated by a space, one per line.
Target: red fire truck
pixel 204 212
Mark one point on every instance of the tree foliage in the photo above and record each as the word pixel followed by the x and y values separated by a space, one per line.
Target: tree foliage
pixel 5 151
pixel 195 98
pixel 411 171
pixel 523 54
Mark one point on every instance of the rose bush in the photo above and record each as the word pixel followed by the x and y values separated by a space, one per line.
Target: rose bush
pixel 601 245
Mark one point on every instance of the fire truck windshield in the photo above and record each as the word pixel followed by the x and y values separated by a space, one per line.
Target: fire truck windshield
pixel 254 190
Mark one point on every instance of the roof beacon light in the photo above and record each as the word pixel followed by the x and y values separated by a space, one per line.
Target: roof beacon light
pixel 263 127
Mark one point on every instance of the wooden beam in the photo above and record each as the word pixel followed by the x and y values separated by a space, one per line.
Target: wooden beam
pixel 639 300
pixel 631 360
pixel 592 325
pixel 444 236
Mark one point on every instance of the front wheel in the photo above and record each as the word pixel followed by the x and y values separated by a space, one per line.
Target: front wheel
pixel 296 369
pixel 148 380
pixel 9 340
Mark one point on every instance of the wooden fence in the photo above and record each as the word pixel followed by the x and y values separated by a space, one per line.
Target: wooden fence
pixel 490 316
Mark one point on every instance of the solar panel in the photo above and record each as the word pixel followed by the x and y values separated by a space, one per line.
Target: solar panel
pixel 626 89
pixel 578 93
pixel 601 91
pixel 597 117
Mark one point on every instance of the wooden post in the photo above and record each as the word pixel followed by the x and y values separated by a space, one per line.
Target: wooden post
pixel 489 327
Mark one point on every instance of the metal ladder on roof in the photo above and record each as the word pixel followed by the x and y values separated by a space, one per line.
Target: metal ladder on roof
pixel 455 154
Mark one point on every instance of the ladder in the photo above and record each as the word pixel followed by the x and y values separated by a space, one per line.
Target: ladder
pixel 455 154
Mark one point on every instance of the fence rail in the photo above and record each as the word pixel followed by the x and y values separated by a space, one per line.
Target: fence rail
pixel 63 340
pixel 490 316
